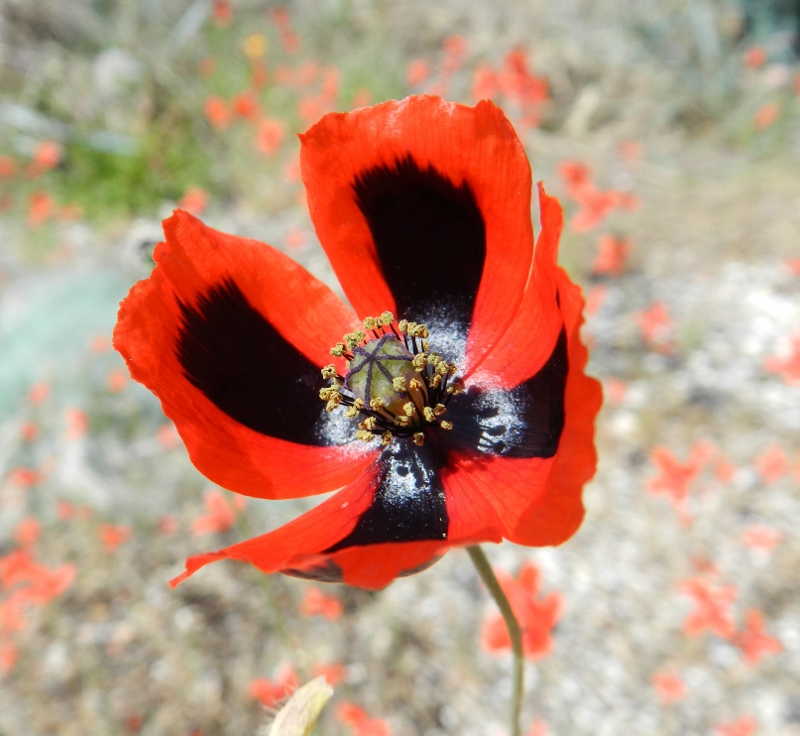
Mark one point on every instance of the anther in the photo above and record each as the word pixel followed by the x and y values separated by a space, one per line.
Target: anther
pixel 418 438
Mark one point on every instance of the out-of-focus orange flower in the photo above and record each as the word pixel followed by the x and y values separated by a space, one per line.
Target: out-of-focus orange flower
pixel 39 392
pixel 417 71
pixel 100 344
pixel 766 115
pixel 519 84
pixel 291 171
pixel 536 617
pixel 217 112
pixel 656 326
pixel 113 535
pixel 47 155
pixel 485 84
pixel 333 673
pixel 28 531
pixel 8 657
pixel 362 98
pixel 758 536
pixel 755 57
pixel 77 423
pixel 712 608
pixel 167 436
pixel 455 49
pixel 745 726
pixel 23 477
pixel 353 715
pixel 309 110
pixel 220 517
pixel 295 238
pixel 7 167
pixel 753 641
pixel 630 151
pixel 772 464
pixel 255 46
pixel 41 207
pixel 195 200
pixel 615 390
pixel 724 469
pixel 331 81
pixel 117 380
pixel 222 13
pixel 317 603
pixel 674 478
pixel 29 431
pixel 245 105
pixel 269 136
pixel 788 366
pixel 271 692
pixel 595 299
pixel 538 728
pixel 669 686
pixel 612 255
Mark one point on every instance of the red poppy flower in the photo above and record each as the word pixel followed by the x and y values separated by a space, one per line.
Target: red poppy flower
pixel 483 429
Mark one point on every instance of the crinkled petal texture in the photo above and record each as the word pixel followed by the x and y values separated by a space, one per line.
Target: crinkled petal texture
pixel 513 467
pixel 423 207
pixel 230 334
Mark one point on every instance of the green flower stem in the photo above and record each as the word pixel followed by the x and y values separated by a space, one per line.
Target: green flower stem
pixel 514 631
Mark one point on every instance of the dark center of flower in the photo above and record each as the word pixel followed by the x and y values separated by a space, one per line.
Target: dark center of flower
pixel 394 382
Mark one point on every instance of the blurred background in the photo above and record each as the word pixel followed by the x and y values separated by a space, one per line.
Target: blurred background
pixel 670 129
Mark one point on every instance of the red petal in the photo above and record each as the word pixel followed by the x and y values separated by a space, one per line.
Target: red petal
pixel 535 501
pixel 473 146
pixel 528 342
pixel 299 546
pixel 304 311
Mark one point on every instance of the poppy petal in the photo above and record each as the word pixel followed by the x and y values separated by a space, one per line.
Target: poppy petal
pixel 535 501
pixel 423 207
pixel 230 334
pixel 390 521
pixel 528 342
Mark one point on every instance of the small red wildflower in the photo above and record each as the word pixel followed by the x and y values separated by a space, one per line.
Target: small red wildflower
pixel 758 536
pixel 612 255
pixel 745 726
pixel 712 606
pixel 674 478
pixel 317 603
pixel 536 617
pixel 538 728
pixel 362 97
pixel 220 517
pixel 29 431
pixel 8 167
pixel 195 200
pixel 669 686
pixel 269 136
pixel 333 673
pixel 353 715
pixel 77 423
pixel 39 392
pixel 41 207
pixel 753 641
pixel 766 115
pixel 479 436
pixel 271 692
pixel 222 13
pixel 595 299
pixel 217 113
pixel 47 155
pixel 117 380
pixel 485 84
pixel 755 57
pixel 772 464
pixel 168 524
pixel 28 531
pixel 787 366
pixel 167 436
pixel 24 477
pixel 656 327
pixel 245 105
pixel 113 535
pixel 417 71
